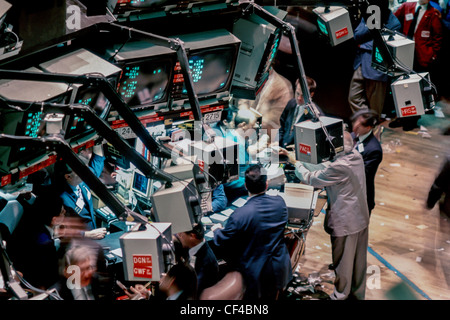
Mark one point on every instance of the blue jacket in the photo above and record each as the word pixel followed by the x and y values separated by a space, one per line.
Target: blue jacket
pixel 219 199
pixel 253 243
pixel 70 198
pixel 364 53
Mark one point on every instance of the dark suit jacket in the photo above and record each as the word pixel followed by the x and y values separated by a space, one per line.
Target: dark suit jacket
pixel 206 267
pixel 441 185
pixel 253 243
pixel 70 198
pixel 33 253
pixel 66 294
pixel 285 134
pixel 372 156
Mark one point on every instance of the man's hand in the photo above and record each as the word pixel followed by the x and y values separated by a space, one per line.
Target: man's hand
pixel 96 234
pixel 290 155
pixel 138 292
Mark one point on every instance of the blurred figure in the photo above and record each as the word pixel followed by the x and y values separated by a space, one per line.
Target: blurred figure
pixel 295 112
pixel 78 279
pixel 363 123
pixel 242 133
pixel 200 257
pixel 440 186
pixel 421 23
pixel 347 218
pixel 252 241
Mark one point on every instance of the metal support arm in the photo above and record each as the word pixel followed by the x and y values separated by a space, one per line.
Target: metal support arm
pixel 63 149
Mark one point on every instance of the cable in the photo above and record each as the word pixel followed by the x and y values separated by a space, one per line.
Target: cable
pixel 26 283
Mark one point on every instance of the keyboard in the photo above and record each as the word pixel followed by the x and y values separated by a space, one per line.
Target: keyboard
pixel 206 202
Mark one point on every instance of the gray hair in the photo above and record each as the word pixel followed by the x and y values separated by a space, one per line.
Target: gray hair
pixel 348 142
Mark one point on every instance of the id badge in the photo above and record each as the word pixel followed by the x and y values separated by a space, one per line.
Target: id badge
pixel 425 34
pixel 360 148
pixel 409 16
pixel 80 203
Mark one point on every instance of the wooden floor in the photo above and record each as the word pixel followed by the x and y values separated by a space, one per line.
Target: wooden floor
pixel 409 246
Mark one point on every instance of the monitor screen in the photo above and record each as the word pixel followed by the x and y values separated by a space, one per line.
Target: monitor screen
pixel 140 184
pixel 212 71
pixel 269 54
pixel 26 124
pixel 145 82
pixel 89 96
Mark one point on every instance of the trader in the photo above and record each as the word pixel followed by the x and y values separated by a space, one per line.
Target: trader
pixel 77 195
pixel 252 241
pixel 347 220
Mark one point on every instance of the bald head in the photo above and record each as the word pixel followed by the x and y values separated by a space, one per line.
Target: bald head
pixel 348 142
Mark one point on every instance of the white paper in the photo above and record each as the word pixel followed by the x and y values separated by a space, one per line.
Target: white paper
pixel 227 212
pixel 206 220
pixel 219 217
pixel 239 202
pixel 117 252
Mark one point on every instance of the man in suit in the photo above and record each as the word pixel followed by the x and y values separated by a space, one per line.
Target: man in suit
pixel 77 195
pixel 34 245
pixel 200 257
pixel 347 219
pixel 368 86
pixel 252 241
pixel 363 123
pixel 421 23
pixel 78 278
pixel 295 112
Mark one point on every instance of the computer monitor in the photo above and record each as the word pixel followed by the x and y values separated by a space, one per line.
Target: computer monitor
pixel 76 126
pixel 146 73
pixel 145 83
pixel 84 62
pixel 260 43
pixel 212 57
pixel 140 185
pixel 27 123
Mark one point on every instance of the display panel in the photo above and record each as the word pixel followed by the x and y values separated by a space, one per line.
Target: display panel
pixel 76 126
pixel 140 185
pixel 145 82
pixel 211 69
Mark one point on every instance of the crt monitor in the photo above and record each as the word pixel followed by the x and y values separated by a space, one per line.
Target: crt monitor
pixel 145 82
pixel 76 126
pixel 146 73
pixel 83 62
pixel 140 185
pixel 211 70
pixel 212 57
pixel 28 123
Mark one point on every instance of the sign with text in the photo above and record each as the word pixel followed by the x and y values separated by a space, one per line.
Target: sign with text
pixel 408 111
pixel 142 265
pixel 305 149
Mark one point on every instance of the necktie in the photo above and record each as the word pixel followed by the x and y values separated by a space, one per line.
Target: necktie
pixel 412 27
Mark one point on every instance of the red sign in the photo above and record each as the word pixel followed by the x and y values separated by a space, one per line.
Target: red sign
pixel 142 265
pixel 201 164
pixel 341 33
pixel 408 111
pixel 305 149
